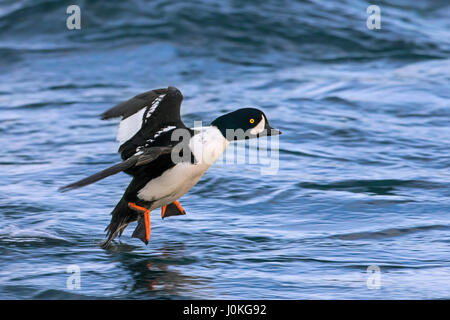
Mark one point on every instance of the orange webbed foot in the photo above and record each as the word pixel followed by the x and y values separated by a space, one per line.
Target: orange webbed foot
pixel 173 209
pixel 147 223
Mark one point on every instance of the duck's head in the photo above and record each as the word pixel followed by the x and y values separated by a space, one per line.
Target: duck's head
pixel 244 123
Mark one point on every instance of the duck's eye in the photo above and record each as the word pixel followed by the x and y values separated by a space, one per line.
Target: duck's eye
pixel 252 120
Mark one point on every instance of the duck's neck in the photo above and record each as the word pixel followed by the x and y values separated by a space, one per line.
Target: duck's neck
pixel 208 145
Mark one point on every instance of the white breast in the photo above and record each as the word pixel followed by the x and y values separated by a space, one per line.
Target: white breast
pixel 207 146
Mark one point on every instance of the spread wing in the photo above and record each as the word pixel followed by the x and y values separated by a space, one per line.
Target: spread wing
pixel 146 116
pixel 144 133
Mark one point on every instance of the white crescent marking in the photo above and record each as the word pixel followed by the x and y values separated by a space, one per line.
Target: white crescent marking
pixel 259 127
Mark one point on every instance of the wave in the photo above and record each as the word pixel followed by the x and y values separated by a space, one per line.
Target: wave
pixel 17 235
pixel 379 187
pixel 301 30
pixel 389 233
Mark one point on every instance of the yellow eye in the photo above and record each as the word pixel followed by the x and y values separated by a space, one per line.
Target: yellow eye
pixel 252 120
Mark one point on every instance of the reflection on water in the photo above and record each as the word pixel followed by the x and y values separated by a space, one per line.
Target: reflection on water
pixel 157 277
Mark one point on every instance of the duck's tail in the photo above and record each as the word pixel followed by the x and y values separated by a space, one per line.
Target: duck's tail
pixel 122 215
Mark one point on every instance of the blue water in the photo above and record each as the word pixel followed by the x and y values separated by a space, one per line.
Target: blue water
pixel 364 157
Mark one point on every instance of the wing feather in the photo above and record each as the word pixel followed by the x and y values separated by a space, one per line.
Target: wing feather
pixel 133 105
pixel 148 155
pixel 144 117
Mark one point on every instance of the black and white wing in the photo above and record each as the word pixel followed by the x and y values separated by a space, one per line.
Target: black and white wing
pixel 144 133
pixel 146 116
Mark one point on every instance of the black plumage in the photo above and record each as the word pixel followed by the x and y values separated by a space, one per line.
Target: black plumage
pixel 145 156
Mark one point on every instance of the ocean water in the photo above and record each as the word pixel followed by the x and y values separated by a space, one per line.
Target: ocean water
pixel 363 169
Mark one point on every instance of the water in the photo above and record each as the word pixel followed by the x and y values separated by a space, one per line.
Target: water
pixel 364 157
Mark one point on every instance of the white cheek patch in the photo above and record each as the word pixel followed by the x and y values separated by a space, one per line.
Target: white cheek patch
pixel 259 127
pixel 130 126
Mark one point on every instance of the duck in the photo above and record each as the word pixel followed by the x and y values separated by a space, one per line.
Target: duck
pixel 164 157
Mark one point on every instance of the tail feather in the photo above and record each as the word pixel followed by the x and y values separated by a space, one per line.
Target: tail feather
pixel 122 215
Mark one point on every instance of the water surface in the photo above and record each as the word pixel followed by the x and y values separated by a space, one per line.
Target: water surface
pixel 364 157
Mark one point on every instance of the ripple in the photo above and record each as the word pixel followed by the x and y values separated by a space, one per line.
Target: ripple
pixel 389 233
pixel 379 187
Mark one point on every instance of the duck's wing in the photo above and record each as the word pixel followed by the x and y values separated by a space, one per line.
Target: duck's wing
pixel 146 156
pixel 146 116
pixel 145 133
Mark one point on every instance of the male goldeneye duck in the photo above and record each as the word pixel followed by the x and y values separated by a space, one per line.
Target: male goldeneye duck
pixel 164 157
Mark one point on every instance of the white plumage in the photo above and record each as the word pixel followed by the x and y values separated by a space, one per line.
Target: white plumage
pixel 207 146
pixel 130 126
pixel 158 133
pixel 155 104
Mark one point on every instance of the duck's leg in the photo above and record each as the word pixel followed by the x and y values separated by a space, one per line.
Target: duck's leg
pixel 142 230
pixel 173 209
